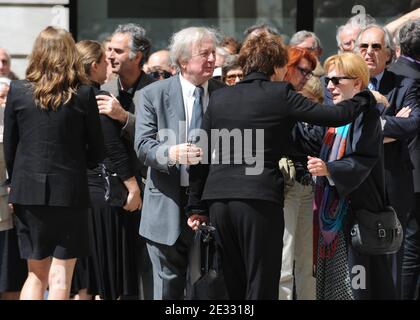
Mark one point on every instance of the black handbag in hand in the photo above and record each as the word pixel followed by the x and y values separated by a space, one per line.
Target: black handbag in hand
pixel 116 192
pixel 376 233
pixel 205 280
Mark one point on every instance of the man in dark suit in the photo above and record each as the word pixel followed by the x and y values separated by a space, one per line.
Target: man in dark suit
pixel 408 65
pixel 375 46
pixel 174 105
pixel 127 52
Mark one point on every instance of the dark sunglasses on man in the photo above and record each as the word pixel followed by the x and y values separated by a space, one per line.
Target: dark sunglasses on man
pixel 160 74
pixel 375 46
pixel 336 80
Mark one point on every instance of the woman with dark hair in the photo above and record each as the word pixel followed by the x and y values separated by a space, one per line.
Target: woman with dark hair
pixel 52 134
pixel 244 195
pixel 103 271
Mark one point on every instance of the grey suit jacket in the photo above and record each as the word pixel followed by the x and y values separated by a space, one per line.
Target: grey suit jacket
pixel 160 106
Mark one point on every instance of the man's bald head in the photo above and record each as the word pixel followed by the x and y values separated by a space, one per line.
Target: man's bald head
pixel 4 63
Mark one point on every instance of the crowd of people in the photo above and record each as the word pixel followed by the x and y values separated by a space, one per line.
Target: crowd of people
pixel 277 151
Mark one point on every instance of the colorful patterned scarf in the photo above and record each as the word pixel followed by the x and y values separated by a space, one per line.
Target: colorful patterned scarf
pixel 329 208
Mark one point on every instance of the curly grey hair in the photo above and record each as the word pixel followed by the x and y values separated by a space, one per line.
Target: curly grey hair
pixel 138 40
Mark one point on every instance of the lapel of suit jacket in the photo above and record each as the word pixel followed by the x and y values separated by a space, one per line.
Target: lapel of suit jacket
pixel 174 101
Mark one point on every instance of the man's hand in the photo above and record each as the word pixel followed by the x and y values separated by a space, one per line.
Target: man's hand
pixel 188 154
pixel 195 220
pixel 404 112
pixel 110 106
pixel 380 98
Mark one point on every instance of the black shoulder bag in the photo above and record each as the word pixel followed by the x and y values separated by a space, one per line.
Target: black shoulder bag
pixel 376 232
pixel 116 192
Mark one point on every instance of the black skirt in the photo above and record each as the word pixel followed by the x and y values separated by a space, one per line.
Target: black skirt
pixel 13 269
pixel 45 231
pixel 100 272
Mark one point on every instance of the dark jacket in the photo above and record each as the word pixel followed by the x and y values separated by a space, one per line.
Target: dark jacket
pixel 400 92
pixel 360 174
pixel 274 107
pixel 120 157
pixel 47 152
pixel 409 69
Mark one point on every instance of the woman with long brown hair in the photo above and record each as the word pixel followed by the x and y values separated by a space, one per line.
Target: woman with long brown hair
pixel 52 134
pixel 105 270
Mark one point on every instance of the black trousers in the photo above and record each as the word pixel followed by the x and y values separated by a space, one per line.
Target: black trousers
pixel 411 259
pixel 250 236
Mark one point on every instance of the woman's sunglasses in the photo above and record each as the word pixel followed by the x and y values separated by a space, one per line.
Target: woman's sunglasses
pixel 336 80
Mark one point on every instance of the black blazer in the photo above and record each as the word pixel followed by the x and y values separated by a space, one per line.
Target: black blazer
pixel 47 152
pixel 406 68
pixel 258 103
pixel 400 92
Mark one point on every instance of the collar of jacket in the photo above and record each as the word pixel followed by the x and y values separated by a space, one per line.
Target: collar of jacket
pixel 252 76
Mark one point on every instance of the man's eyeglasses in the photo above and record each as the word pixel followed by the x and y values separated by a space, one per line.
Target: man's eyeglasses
pixel 306 73
pixel 336 80
pixel 375 46
pixel 161 74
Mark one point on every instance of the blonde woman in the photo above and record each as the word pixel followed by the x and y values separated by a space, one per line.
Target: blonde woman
pixel 350 176
pixel 52 134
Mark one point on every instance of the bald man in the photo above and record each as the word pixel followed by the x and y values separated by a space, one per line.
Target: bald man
pixel 159 65
pixel 5 63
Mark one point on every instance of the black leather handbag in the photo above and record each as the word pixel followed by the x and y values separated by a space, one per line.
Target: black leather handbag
pixel 376 233
pixel 116 192
pixel 205 280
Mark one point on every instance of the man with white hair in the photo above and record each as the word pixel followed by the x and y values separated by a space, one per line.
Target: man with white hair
pixel 307 40
pixel 174 105
pixel 347 33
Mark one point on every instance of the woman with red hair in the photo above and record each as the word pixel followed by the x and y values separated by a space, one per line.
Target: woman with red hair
pixel 300 66
pixel 296 268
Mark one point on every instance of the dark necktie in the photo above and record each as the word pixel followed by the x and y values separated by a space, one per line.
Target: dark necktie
pixel 373 84
pixel 197 113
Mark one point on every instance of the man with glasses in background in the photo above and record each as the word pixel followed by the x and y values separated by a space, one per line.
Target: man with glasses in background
pixel 231 70
pixel 400 122
pixel 159 65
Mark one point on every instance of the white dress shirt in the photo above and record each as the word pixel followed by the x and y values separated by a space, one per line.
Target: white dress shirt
pixel 188 97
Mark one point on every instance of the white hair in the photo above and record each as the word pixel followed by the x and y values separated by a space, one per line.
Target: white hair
pixel 183 41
